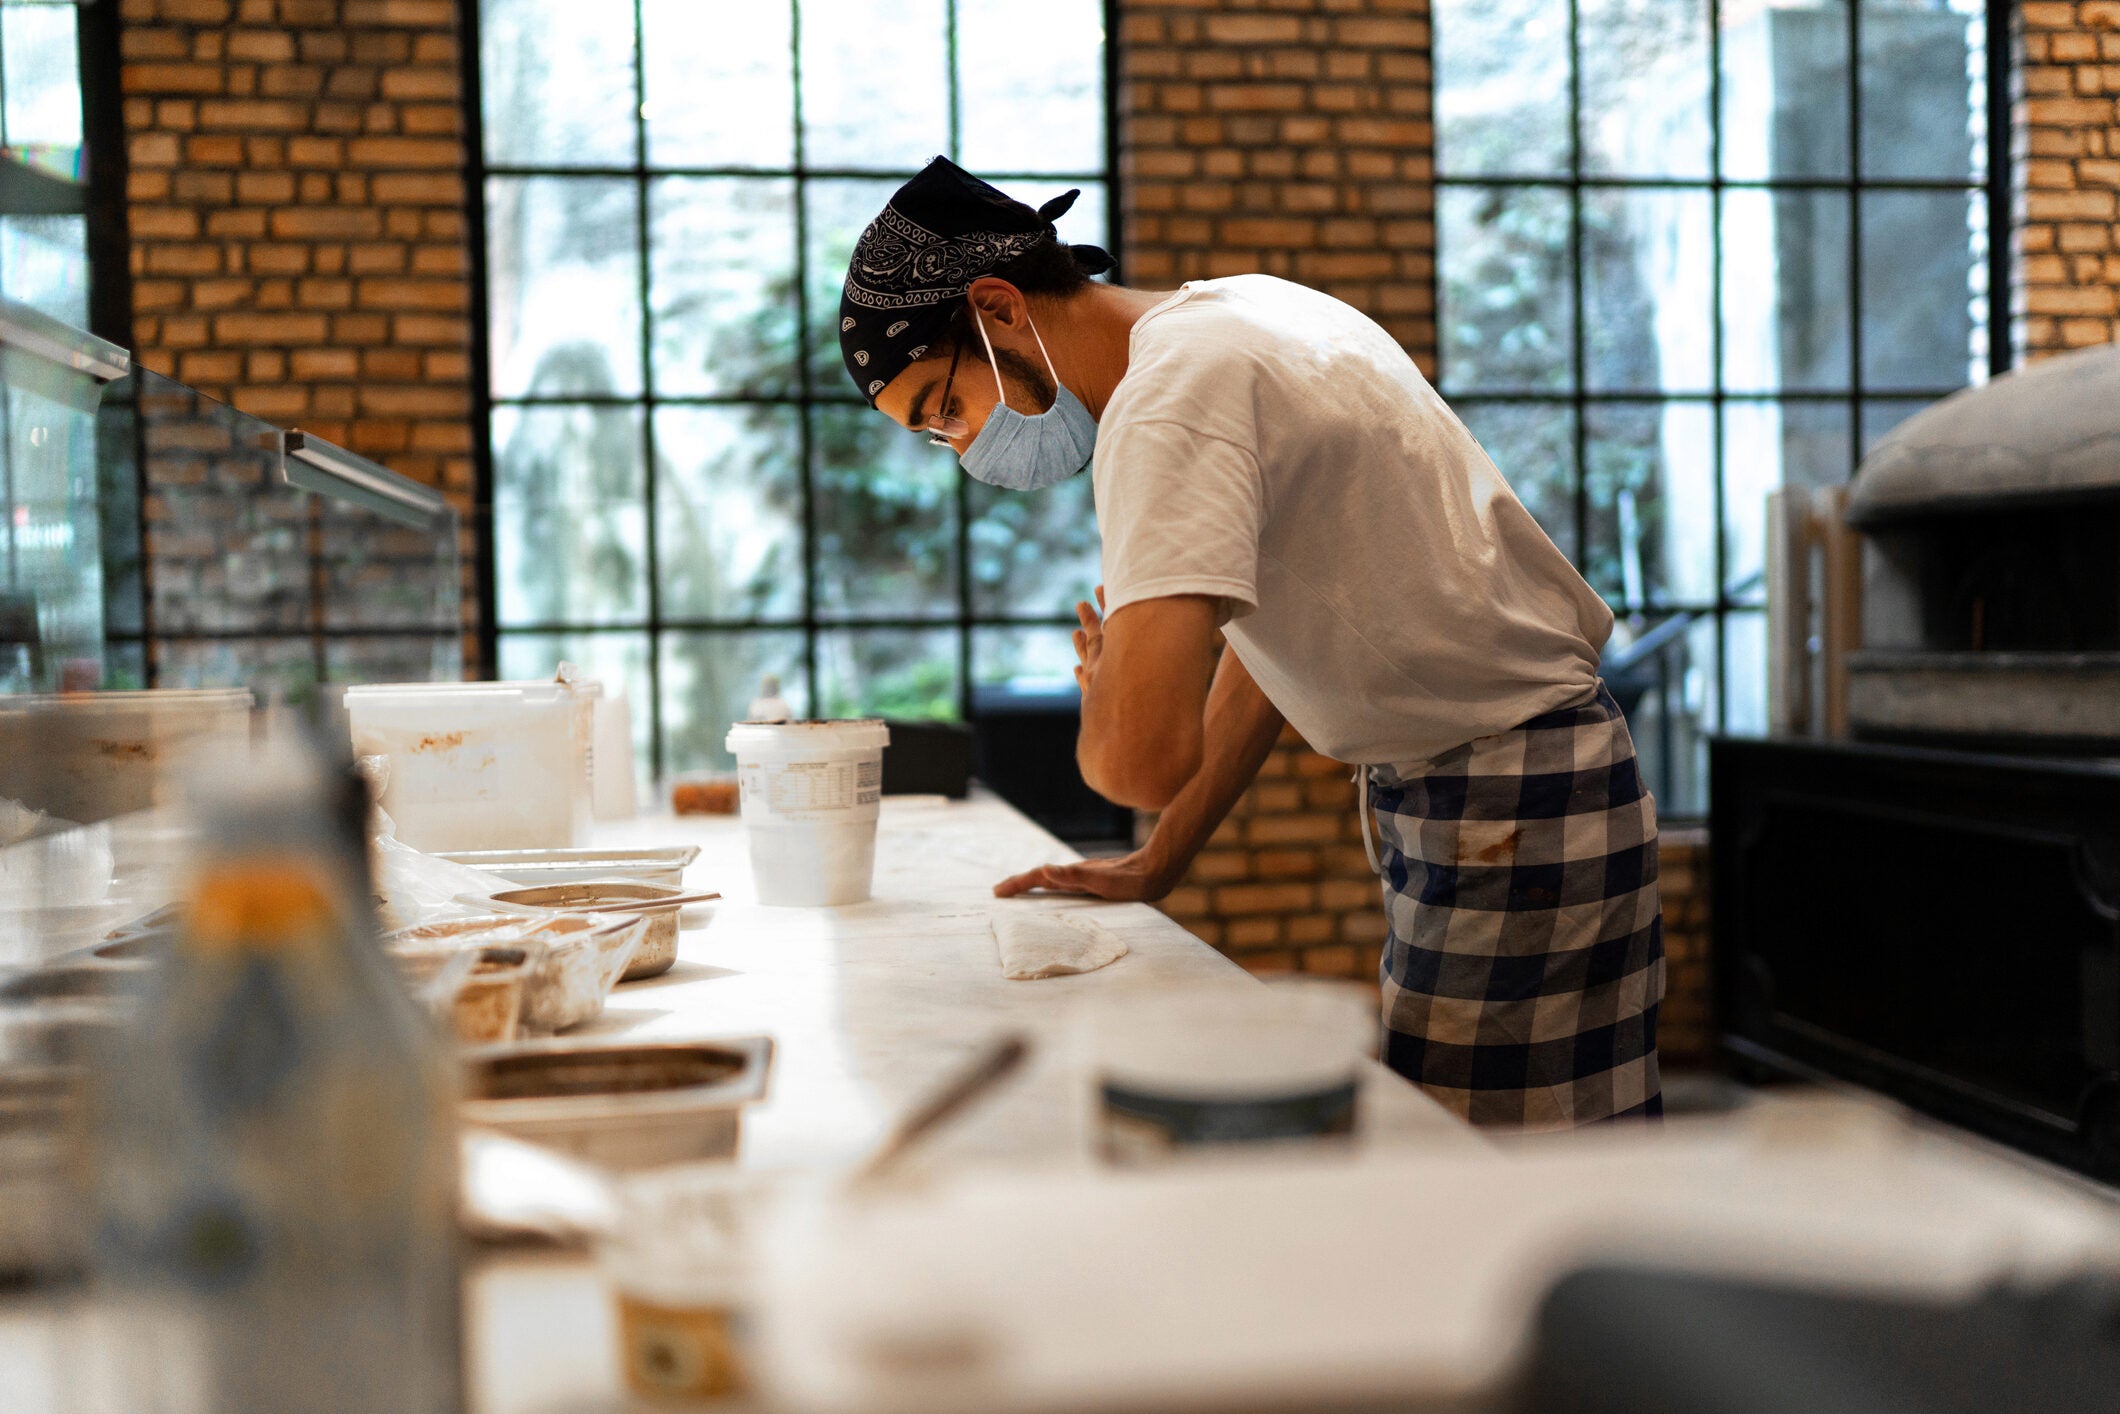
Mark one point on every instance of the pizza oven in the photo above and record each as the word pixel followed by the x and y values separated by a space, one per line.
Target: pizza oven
pixel 1990 566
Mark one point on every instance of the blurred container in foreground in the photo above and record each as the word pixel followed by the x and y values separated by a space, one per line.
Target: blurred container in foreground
pixel 276 1151
pixel 1228 1065
pixel 682 1267
pixel 44 1051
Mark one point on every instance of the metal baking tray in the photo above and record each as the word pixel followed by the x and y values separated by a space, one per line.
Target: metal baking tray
pixel 566 866
pixel 618 1103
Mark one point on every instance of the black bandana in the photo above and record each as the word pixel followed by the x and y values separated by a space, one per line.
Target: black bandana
pixel 940 231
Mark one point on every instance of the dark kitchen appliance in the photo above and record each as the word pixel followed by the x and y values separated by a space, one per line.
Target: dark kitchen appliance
pixel 1939 925
pixel 928 758
pixel 1932 907
pixel 1991 565
pixel 1610 1340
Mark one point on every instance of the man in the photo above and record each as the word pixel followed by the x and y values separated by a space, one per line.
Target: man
pixel 1271 469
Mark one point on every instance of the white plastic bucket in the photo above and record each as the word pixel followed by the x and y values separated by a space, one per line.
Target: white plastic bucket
pixel 810 793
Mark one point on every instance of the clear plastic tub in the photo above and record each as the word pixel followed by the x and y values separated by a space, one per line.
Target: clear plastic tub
pixel 575 960
pixel 85 757
pixel 1235 1064
pixel 658 945
pixel 810 792
pixel 474 766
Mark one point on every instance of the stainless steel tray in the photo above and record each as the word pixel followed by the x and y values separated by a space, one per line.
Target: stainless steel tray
pixel 564 866
pixel 618 1103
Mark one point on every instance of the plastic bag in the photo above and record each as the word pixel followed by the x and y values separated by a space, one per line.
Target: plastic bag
pixel 411 886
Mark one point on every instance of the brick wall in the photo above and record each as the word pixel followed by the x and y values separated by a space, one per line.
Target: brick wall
pixel 1684 1033
pixel 297 210
pixel 1290 137
pixel 1284 885
pixel 2066 131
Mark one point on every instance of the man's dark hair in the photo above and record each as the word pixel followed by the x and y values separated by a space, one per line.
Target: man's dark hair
pixel 1051 269
pixel 1054 268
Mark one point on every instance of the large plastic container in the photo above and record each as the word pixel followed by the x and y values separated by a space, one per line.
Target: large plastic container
pixel 498 765
pixel 810 794
pixel 88 756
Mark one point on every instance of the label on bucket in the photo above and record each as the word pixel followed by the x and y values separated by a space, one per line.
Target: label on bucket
pixel 794 787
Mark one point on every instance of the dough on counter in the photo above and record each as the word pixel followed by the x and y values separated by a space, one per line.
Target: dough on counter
pixel 1034 945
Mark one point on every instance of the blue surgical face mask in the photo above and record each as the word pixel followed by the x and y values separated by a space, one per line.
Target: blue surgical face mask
pixel 1030 451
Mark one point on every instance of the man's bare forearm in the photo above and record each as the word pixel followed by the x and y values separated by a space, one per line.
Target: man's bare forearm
pixel 1240 729
pixel 1146 676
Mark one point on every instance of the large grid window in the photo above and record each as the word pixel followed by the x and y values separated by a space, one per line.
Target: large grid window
pixel 1694 250
pixel 687 492
pixel 43 201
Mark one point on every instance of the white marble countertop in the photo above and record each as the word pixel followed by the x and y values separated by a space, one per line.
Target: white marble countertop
pixel 869 1006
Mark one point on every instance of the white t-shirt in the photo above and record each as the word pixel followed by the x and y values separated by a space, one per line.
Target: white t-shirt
pixel 1272 447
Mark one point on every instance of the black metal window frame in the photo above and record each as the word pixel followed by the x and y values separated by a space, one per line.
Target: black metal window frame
pixel 1994 185
pixel 808 394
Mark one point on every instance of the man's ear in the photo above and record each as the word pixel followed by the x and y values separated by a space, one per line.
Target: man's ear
pixel 997 301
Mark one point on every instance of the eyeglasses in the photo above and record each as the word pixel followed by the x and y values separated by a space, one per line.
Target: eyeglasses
pixel 947 384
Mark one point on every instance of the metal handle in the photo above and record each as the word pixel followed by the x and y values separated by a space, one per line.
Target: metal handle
pixel 314 464
pixel 35 332
pixel 993 1063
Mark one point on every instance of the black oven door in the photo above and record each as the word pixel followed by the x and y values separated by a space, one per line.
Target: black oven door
pixel 1941 926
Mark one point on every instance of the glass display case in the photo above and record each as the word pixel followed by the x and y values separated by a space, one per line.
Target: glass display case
pixel 168 563
pixel 53 381
pixel 157 538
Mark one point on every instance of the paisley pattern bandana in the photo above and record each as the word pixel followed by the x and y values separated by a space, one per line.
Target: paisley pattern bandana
pixel 940 231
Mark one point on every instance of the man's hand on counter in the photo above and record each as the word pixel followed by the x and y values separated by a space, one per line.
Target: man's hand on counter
pixel 1240 730
pixel 1140 877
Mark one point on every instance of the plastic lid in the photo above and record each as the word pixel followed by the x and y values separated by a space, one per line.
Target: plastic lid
pixel 534 687
pixel 1280 1038
pixel 786 738
pixel 130 699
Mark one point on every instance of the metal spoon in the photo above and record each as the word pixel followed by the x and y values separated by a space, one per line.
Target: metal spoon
pixel 993 1064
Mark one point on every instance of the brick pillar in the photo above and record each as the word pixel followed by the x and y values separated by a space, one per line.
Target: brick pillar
pixel 297 211
pixel 1685 1028
pixel 2066 139
pixel 1296 141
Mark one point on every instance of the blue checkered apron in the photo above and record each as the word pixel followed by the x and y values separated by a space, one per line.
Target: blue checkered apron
pixel 1526 958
